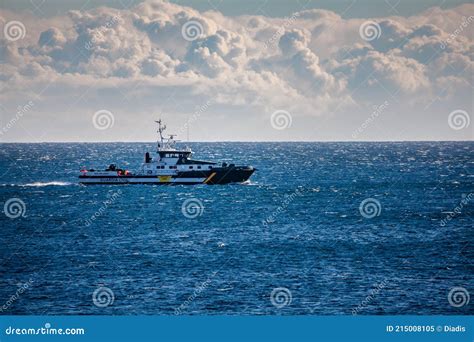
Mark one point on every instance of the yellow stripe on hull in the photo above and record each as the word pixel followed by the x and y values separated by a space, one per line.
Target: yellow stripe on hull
pixel 209 178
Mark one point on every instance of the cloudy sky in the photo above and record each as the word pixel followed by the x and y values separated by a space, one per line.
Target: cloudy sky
pixel 236 70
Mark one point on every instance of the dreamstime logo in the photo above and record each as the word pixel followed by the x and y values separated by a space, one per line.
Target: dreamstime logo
pixel 103 119
pixel 458 119
pixel 281 119
pixel 288 21
pixel 452 37
pixel 99 33
pixel 192 30
pixel 199 111
pixel 374 115
pixel 281 208
pixel 370 207
pixel 14 30
pixel 21 110
pixel 458 209
pixel 103 297
pixel 280 297
pixel 458 297
pixel 22 288
pixel 14 208
pixel 364 304
pixel 197 291
pixel 370 30
pixel 192 208
pixel 111 200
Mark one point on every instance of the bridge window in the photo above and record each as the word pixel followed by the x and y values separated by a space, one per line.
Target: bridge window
pixel 199 167
pixel 190 167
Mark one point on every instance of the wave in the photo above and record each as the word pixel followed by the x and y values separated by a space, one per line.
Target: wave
pixel 39 184
pixel 247 182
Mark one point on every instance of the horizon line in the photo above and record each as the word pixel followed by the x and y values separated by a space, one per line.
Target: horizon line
pixel 231 141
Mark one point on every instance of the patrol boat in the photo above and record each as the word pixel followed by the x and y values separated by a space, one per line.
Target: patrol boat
pixel 169 165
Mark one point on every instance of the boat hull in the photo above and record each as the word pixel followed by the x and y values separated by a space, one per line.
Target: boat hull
pixel 210 177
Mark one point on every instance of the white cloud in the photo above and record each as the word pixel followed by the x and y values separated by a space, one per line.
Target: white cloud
pixel 312 64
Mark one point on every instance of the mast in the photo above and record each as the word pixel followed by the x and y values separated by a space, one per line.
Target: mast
pixel 161 129
pixel 166 143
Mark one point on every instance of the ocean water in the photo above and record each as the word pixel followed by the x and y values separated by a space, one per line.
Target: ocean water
pixel 292 241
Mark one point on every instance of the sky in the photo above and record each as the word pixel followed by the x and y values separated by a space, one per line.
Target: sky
pixel 218 70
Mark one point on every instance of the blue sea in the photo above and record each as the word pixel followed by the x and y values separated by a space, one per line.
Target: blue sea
pixel 320 229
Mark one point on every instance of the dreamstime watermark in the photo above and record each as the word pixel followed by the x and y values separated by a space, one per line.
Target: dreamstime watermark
pixel 374 115
pixel 195 116
pixel 458 209
pixel 197 291
pixel 281 119
pixel 99 34
pixel 14 208
pixel 369 298
pixel 22 288
pixel 192 30
pixel 192 208
pixel 370 30
pixel 458 119
pixel 103 119
pixel 280 297
pixel 370 208
pixel 103 297
pixel 21 110
pixel 287 22
pixel 14 30
pixel 46 330
pixel 458 297
pixel 282 207
pixel 112 199
pixel 464 24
